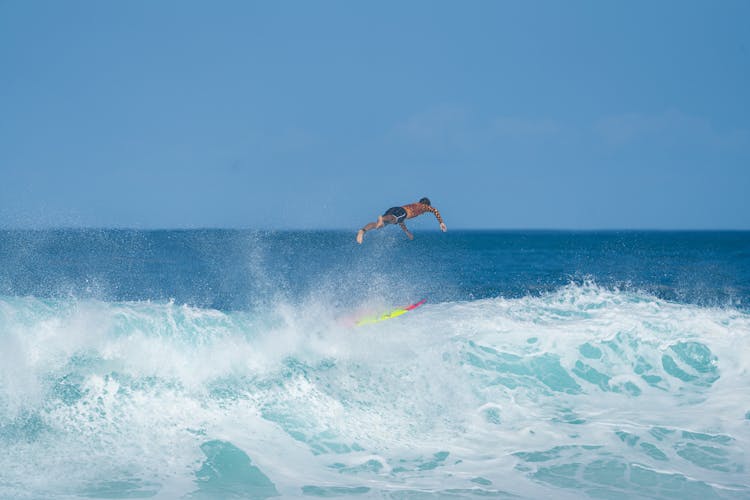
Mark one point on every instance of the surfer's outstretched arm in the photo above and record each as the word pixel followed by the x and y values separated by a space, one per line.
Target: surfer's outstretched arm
pixel 435 211
pixel 403 226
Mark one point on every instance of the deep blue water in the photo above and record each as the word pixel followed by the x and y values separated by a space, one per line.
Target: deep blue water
pixel 226 364
pixel 231 270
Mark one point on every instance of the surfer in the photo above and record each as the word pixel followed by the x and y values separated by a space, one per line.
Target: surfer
pixel 397 215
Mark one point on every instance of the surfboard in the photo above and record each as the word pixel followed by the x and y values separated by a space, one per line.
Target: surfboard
pixel 390 314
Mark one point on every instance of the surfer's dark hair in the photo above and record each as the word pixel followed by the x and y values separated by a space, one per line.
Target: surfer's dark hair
pixel 425 201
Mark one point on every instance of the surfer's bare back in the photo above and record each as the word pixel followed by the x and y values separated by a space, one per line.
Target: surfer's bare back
pixel 397 215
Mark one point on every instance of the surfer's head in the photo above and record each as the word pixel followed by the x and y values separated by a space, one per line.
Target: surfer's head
pixel 425 201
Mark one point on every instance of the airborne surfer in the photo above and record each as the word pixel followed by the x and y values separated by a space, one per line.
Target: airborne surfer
pixel 397 215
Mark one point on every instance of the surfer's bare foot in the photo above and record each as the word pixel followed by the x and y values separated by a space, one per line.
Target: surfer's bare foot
pixel 380 222
pixel 360 234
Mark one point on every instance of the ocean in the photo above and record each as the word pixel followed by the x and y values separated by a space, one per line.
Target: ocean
pixel 199 364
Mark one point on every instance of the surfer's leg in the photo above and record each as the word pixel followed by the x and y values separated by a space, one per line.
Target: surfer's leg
pixel 382 220
pixel 368 227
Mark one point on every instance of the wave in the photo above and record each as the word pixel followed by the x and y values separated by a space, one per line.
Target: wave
pixel 586 390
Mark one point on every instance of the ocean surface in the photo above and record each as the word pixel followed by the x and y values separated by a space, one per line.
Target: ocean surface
pixel 225 364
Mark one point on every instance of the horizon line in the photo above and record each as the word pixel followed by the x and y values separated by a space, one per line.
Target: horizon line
pixel 460 229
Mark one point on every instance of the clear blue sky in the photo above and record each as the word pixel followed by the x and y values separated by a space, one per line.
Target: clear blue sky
pixel 302 115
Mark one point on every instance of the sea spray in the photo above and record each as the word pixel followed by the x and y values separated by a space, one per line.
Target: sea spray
pixel 608 392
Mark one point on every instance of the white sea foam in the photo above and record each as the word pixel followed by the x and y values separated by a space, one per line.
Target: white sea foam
pixel 586 390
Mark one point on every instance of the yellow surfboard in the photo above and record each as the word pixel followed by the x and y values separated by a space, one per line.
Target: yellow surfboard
pixel 390 314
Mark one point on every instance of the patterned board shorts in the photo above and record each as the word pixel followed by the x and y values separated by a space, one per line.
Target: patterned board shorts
pixel 398 212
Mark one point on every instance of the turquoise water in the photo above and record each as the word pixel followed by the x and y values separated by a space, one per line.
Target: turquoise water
pixel 220 364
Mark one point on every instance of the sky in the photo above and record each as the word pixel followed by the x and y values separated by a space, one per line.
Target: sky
pixel 323 114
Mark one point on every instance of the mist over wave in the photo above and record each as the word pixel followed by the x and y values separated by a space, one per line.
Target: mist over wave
pixel 225 364
pixel 242 270
pixel 583 389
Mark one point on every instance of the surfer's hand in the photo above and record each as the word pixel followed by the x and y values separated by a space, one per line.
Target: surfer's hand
pixel 442 227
